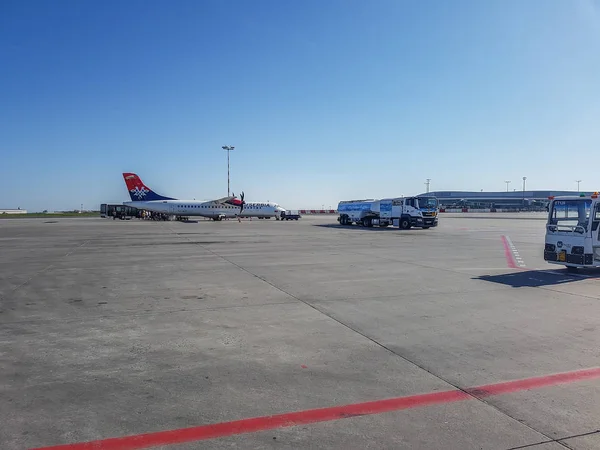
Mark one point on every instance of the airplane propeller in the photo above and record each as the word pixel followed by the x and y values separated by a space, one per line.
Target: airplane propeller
pixel 242 202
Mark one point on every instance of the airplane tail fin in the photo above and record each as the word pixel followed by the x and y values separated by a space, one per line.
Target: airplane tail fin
pixel 138 191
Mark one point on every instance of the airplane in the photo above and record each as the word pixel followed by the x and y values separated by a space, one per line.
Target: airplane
pixel 142 197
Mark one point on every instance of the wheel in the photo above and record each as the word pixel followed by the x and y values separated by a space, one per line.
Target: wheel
pixel 571 269
pixel 404 224
pixel 426 228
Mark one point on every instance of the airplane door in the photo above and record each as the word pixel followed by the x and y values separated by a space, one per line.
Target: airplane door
pixel 596 226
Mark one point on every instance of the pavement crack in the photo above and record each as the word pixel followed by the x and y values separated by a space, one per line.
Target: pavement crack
pixel 556 441
pixel 470 393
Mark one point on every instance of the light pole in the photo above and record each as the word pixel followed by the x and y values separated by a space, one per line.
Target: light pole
pixel 524 178
pixel 427 184
pixel 507 183
pixel 577 181
pixel 228 148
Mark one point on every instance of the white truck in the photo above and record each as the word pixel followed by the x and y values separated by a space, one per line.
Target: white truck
pixel 573 231
pixel 401 212
pixel 290 214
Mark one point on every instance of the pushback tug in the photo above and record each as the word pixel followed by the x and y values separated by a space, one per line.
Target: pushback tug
pixel 573 231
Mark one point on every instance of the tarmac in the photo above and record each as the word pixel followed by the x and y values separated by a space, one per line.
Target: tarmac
pixel 303 334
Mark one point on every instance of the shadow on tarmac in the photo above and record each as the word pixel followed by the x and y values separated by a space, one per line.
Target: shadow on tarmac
pixel 540 278
pixel 359 228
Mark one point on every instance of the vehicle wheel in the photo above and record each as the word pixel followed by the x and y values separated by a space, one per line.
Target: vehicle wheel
pixel 425 228
pixel 572 269
pixel 405 224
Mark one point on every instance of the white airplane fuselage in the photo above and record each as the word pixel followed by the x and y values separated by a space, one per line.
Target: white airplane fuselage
pixel 210 209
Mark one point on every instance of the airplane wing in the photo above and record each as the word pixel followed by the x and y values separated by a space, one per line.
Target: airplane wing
pixel 223 199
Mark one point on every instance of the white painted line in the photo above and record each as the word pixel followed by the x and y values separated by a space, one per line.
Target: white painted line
pixel 520 262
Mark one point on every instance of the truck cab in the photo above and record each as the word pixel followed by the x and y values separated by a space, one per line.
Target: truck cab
pixel 402 212
pixel 430 207
pixel 573 231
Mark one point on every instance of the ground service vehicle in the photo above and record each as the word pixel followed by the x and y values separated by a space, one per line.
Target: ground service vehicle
pixel 402 212
pixel 430 207
pixel 117 211
pixel 291 214
pixel 573 231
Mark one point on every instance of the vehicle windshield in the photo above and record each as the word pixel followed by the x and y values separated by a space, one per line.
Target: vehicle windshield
pixel 568 214
pixel 428 202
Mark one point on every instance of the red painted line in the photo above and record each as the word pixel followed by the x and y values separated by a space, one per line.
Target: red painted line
pixel 508 254
pixel 534 383
pixel 243 426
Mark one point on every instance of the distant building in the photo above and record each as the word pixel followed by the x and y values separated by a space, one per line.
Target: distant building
pixel 502 199
pixel 13 211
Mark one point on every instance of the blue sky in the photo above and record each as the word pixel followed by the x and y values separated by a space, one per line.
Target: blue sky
pixel 323 99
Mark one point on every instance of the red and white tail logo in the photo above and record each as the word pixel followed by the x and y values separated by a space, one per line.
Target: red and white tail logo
pixel 135 186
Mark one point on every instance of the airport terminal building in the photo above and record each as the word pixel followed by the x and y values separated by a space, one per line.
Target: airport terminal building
pixel 518 200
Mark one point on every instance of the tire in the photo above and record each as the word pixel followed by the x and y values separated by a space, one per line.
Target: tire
pixel 404 224
pixel 572 269
pixel 426 228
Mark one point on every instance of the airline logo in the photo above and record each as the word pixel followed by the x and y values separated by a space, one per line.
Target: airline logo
pixel 135 186
pixel 139 192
